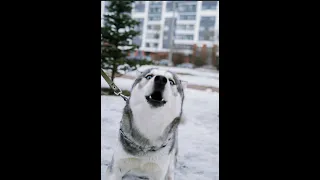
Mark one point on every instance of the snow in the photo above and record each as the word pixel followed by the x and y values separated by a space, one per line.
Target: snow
pixel 202 81
pixel 192 76
pixel 201 77
pixel 195 72
pixel 122 83
pixel 198 157
pixel 125 84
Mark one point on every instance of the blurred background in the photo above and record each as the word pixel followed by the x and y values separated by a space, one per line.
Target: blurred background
pixel 181 36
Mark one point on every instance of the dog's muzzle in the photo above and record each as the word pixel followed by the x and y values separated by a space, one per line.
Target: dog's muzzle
pixel 155 99
pixel 159 83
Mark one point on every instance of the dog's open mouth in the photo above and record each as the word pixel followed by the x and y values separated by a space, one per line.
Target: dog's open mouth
pixel 156 99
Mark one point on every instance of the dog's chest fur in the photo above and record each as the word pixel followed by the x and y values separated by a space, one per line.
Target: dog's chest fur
pixel 152 165
pixel 152 124
pixel 131 161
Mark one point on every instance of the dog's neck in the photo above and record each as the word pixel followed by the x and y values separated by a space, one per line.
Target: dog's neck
pixel 152 123
pixel 134 142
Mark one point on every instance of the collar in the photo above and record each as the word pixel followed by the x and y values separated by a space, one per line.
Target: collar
pixel 137 146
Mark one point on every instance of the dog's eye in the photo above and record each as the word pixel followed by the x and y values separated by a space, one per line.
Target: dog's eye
pixel 149 76
pixel 172 82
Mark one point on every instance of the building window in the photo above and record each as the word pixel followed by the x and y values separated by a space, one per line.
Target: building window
pixel 168 21
pixel 184 37
pixel 212 5
pixel 152 36
pixel 147 44
pixel 154 18
pixel 190 27
pixel 155 45
pixel 154 27
pixel 187 17
pixel 194 8
pixel 139 6
pixel 205 18
pixel 182 8
pixel 183 46
pixel 185 27
pixel 169 7
pixel 207 25
pixel 155 10
pixel 181 27
pixel 155 2
pixel 187 7
pixel 206 35
pixel 140 26
pixel 139 2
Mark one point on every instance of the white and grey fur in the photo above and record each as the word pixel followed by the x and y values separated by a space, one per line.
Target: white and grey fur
pixel 147 146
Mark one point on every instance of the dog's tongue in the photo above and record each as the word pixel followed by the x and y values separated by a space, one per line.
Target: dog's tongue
pixel 156 95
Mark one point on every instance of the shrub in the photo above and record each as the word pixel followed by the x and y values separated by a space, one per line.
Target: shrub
pixel 199 62
pixel 178 58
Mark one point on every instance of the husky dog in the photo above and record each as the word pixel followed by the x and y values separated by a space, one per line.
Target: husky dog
pixel 147 143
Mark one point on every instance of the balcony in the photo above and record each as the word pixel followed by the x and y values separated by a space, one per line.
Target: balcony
pixel 152 36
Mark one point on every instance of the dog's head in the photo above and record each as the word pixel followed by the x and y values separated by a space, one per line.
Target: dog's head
pixel 158 89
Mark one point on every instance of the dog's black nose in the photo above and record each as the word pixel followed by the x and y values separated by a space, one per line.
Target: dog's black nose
pixel 160 80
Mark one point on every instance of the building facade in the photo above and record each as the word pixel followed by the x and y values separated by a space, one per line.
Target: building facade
pixel 196 25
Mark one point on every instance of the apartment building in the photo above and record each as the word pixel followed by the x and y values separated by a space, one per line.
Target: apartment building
pixel 195 26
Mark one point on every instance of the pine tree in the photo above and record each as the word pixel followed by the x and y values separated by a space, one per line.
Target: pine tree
pixel 119 30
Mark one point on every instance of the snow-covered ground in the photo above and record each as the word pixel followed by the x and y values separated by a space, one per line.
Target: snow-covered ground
pixel 192 76
pixel 122 83
pixel 198 157
pixel 202 81
pixel 195 72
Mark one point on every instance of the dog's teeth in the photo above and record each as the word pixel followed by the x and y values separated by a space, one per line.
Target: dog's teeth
pixel 150 97
pixel 162 100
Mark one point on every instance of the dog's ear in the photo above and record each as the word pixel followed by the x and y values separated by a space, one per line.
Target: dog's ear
pixel 184 84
